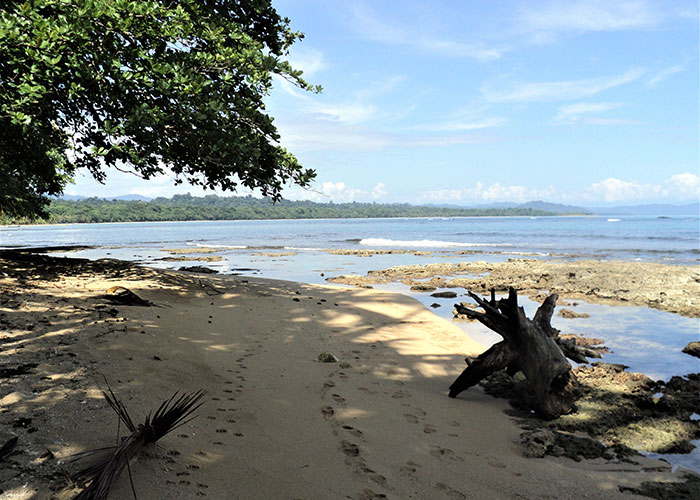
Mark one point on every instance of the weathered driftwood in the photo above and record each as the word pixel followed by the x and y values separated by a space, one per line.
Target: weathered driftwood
pixel 529 345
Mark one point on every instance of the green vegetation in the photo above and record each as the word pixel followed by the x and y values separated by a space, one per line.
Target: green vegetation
pixel 212 207
pixel 144 86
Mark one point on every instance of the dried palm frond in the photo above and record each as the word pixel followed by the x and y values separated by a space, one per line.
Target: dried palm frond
pixel 171 414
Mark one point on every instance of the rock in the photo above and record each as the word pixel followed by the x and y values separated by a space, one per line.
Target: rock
pixel 327 357
pixel 568 313
pixel 435 305
pixel 422 288
pixel 536 443
pixel 444 295
pixel 693 349
pixel 198 269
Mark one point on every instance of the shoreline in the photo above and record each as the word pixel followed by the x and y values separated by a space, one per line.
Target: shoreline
pixel 378 422
pixel 2 226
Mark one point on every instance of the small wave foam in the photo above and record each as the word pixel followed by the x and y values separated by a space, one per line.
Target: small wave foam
pixel 304 249
pixel 385 242
pixel 613 220
pixel 205 245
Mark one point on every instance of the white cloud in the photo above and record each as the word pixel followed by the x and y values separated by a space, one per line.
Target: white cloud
pixel 580 113
pixel 371 27
pixel 594 15
pixel 611 189
pixel 494 192
pixel 678 187
pixel 354 112
pixel 379 191
pixel 337 192
pixel 310 61
pixel 665 74
pixel 573 111
pixel 558 90
pixel 684 186
pixel 461 126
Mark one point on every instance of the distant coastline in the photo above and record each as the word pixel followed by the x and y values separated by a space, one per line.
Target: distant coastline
pixel 213 208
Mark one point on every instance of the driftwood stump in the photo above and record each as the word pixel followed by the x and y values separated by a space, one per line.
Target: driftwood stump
pixel 532 346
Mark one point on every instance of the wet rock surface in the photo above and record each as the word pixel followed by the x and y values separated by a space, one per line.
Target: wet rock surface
pixel 617 408
pixel 668 288
pixel 693 348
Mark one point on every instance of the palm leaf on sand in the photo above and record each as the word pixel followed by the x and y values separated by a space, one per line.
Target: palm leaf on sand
pixel 171 414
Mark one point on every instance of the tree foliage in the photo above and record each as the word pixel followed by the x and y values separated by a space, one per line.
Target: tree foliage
pixel 212 207
pixel 149 86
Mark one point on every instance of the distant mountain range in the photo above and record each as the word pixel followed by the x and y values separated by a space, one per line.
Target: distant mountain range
pixel 557 208
pixel 653 209
pixel 649 209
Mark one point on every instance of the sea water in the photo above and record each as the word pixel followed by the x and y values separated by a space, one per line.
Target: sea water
pixel 667 239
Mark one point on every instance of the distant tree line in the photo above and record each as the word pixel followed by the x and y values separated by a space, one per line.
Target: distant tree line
pixel 212 207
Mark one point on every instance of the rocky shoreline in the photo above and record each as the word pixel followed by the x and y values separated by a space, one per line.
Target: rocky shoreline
pixel 664 287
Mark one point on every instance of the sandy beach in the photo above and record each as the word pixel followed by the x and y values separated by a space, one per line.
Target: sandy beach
pixel 277 422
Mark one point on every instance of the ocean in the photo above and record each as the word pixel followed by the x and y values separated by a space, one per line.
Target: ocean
pixel 666 239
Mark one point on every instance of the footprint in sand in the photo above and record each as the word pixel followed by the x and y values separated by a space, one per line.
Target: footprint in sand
pixel 438 451
pixel 327 411
pixel 350 449
pixel 429 429
pixel 352 430
pixel 411 419
pixel 401 395
pixel 410 468
pixel 451 493
pixel 338 399
pixel 368 494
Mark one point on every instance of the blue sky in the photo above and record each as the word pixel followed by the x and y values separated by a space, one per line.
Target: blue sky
pixel 472 102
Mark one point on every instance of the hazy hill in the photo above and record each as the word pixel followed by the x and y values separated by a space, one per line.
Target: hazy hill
pixel 652 209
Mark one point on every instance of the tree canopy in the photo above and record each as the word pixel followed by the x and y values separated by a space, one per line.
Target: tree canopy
pixel 213 207
pixel 146 86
